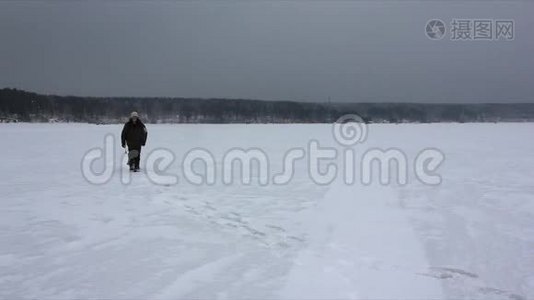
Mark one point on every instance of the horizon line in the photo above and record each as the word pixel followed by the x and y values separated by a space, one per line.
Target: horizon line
pixel 271 100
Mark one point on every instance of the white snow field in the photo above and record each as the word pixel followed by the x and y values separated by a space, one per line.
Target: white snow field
pixel 471 237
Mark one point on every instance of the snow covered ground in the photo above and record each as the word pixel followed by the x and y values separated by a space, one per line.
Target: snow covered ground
pixel 472 236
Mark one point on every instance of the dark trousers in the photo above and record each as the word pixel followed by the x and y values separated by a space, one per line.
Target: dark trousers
pixel 134 162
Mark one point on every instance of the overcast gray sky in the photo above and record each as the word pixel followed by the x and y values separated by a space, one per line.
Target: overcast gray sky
pixel 282 50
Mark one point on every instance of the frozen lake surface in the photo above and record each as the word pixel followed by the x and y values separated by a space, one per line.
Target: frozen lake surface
pixel 472 236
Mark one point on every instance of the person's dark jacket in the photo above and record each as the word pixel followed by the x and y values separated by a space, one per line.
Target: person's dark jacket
pixel 134 134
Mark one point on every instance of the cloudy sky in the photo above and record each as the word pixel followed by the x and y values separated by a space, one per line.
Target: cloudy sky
pixel 307 50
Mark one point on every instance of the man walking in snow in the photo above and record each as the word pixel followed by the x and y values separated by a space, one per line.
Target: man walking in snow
pixel 134 135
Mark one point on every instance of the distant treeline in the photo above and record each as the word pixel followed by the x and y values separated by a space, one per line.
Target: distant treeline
pixel 22 106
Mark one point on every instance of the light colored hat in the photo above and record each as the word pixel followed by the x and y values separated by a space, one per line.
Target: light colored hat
pixel 134 114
